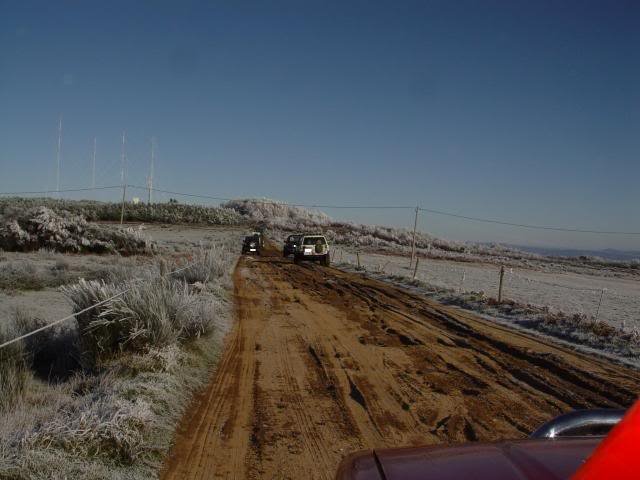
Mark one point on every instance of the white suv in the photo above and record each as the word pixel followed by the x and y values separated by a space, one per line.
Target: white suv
pixel 312 248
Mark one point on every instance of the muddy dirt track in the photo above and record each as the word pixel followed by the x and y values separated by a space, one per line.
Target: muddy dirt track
pixel 321 363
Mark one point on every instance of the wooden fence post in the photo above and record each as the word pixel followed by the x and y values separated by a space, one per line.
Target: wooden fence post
pixel 599 304
pixel 415 270
pixel 500 287
pixel 413 239
pixel 358 257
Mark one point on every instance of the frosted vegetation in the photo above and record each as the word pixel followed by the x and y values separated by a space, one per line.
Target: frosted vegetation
pixel 100 396
pixel 34 228
pixel 598 328
pixel 281 219
pixel 109 211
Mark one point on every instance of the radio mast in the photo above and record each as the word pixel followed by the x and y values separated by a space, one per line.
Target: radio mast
pixel 123 159
pixel 58 153
pixel 151 168
pixel 93 164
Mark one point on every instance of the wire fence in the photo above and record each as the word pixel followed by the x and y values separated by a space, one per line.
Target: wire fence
pixel 91 307
pixel 612 300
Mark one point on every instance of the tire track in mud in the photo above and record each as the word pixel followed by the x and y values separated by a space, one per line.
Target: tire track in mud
pixel 321 363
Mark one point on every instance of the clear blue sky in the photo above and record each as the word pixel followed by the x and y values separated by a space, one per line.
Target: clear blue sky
pixel 521 111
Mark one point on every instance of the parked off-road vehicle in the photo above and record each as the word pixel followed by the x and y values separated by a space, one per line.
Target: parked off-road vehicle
pixel 312 248
pixel 290 245
pixel 252 245
pixel 260 238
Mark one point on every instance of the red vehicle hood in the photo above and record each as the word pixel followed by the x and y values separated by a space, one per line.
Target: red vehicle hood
pixel 556 459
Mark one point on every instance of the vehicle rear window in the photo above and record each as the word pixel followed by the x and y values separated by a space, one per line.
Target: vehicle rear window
pixel 314 241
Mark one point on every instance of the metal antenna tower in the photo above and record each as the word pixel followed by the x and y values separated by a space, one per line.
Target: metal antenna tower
pixel 58 154
pixel 93 164
pixel 151 169
pixel 123 159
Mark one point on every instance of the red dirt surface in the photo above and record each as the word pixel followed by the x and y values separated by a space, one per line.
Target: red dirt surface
pixel 321 363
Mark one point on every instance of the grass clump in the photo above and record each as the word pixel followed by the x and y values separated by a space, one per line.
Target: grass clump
pixel 14 371
pixel 207 264
pixel 155 312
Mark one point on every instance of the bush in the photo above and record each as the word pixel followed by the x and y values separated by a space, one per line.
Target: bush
pixel 154 312
pixel 14 368
pixel 207 264
pixel 40 227
pixel 20 276
pixel 109 211
pixel 275 213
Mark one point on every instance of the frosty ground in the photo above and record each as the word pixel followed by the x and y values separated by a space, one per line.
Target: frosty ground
pixel 65 415
pixel 565 291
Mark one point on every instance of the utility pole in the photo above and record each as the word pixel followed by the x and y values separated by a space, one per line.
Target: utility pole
pixel 58 154
pixel 93 164
pixel 123 158
pixel 413 241
pixel 151 168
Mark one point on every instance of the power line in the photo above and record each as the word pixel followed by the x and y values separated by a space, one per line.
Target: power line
pixel 355 207
pixel 61 191
pixel 402 207
pixel 273 202
pixel 195 195
pixel 524 225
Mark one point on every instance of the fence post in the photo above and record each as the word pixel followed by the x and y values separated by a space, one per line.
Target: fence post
pixel 413 240
pixel 358 257
pixel 462 280
pixel 500 287
pixel 124 194
pixel 599 303
pixel 415 270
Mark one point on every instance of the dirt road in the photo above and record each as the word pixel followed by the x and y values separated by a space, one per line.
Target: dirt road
pixel 321 363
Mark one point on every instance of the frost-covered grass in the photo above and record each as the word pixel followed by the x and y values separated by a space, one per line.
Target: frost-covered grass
pixel 13 365
pixel 35 228
pixel 576 328
pixel 110 211
pixel 152 312
pixel 279 217
pixel 559 291
pixel 144 354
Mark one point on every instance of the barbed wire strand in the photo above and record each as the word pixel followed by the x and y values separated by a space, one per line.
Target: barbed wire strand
pixel 91 307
